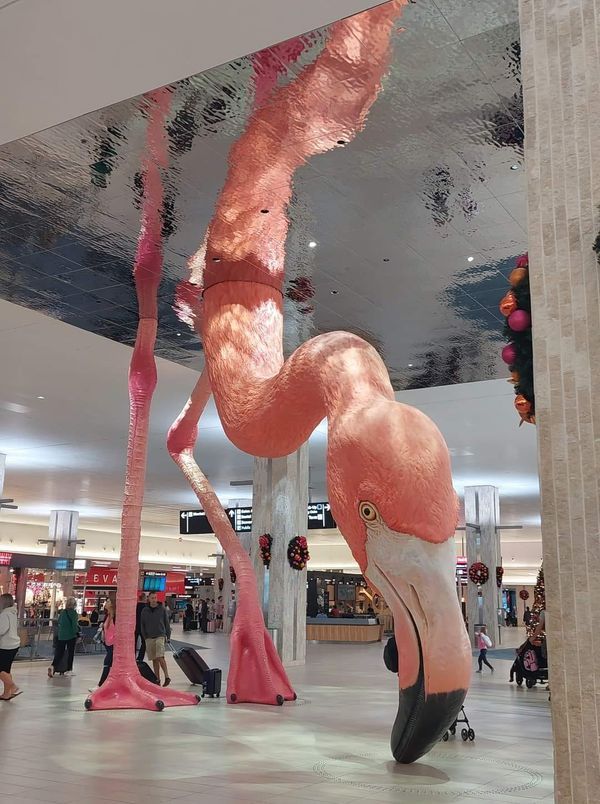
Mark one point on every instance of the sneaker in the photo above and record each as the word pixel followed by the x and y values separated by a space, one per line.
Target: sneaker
pixel 167 682
pixel 478 671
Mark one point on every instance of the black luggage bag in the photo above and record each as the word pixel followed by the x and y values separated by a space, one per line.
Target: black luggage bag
pixel 212 683
pixel 192 664
pixel 147 672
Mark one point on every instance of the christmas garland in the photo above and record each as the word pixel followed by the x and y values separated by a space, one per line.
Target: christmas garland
pixel 297 553
pixel 265 542
pixel 499 576
pixel 518 353
pixel 479 573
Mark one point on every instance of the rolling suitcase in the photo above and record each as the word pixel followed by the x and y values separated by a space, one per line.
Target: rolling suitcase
pixel 212 683
pixel 192 664
pixel 147 672
pixel 211 627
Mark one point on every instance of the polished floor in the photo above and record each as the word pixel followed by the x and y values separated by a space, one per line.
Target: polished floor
pixel 329 746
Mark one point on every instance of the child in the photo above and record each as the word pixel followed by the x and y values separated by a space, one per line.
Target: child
pixel 483 643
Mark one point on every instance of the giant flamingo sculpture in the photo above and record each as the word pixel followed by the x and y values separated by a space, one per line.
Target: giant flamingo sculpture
pixel 125 688
pixel 388 472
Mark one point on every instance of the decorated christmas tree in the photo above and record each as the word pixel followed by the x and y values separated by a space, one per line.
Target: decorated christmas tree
pixel 539 601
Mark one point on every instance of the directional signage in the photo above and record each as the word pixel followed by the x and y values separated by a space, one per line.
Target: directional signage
pixel 196 522
pixel 319 516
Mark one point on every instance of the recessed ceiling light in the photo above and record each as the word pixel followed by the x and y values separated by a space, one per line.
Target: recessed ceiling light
pixel 312 244
pixel 178 334
pixel 41 397
pixel 470 259
pixel 410 365
pixel 514 167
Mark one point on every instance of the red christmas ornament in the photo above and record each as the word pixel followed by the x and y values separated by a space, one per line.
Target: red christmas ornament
pixel 509 354
pixel 524 594
pixel 519 321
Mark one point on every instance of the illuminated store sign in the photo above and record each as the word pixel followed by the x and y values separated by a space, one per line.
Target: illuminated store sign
pixel 5 559
pixel 318 517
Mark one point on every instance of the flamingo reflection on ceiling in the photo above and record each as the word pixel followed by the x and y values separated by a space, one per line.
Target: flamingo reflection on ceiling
pixel 388 467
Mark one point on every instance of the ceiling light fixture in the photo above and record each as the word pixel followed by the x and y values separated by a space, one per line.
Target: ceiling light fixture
pixel 41 397
pixel 514 167
pixel 470 259
pixel 312 244
pixel 178 334
pixel 410 365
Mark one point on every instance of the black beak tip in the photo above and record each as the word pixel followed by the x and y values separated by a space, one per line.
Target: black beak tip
pixel 422 721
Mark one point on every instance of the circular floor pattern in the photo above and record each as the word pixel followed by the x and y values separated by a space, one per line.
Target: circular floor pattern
pixel 441 773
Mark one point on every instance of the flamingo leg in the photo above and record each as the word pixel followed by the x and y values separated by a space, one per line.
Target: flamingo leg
pixel 256 674
pixel 125 688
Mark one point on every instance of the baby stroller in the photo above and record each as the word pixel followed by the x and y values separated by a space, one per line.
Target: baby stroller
pixel 530 664
pixel 466 733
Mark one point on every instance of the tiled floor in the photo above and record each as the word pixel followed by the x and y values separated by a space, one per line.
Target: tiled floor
pixel 330 746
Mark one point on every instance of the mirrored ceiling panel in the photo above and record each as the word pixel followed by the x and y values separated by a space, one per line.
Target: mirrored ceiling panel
pixel 416 222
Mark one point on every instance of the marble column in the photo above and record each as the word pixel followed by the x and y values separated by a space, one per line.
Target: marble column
pixel 287 586
pixel 4 571
pixel 482 509
pixel 561 85
pixel 62 542
pixel 262 522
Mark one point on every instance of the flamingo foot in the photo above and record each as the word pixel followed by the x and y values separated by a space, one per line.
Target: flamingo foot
pixel 128 691
pixel 256 674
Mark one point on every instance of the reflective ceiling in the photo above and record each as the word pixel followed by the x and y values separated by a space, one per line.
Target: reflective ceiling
pixel 434 179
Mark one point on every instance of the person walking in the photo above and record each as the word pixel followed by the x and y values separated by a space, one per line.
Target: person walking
pixel 140 606
pixel 188 617
pixel 156 630
pixel 66 637
pixel 108 637
pixel 9 646
pixel 483 643
pixel 527 617
pixel 204 616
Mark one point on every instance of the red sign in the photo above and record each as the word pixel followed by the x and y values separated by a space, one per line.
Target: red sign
pixel 5 559
pixel 99 576
pixel 175 584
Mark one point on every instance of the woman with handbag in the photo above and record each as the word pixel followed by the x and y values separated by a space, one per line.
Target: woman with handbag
pixel 66 637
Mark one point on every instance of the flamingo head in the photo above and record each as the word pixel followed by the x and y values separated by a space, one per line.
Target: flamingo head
pixel 391 493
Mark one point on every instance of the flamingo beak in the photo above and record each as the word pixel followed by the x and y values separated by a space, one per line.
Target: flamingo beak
pixel 417 580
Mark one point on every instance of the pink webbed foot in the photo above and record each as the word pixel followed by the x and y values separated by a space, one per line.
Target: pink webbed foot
pixel 131 691
pixel 256 674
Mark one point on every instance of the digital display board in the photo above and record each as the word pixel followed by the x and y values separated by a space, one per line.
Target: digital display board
pixel 155 583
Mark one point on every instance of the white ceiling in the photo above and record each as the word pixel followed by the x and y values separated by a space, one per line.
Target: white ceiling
pixel 63 59
pixel 68 449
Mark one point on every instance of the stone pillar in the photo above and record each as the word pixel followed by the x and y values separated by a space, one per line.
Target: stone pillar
pixel 4 571
pixel 262 522
pixel 62 536
pixel 561 83
pixel 287 587
pixel 482 508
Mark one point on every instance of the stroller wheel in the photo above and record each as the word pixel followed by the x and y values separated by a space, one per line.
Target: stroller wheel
pixel 520 681
pixel 453 730
pixel 471 735
pixel 465 734
pixel 529 683
pixel 445 737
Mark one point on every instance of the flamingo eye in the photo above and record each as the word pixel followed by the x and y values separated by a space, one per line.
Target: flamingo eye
pixel 367 511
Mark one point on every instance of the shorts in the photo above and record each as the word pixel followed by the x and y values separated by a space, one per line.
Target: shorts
pixel 155 648
pixel 7 657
